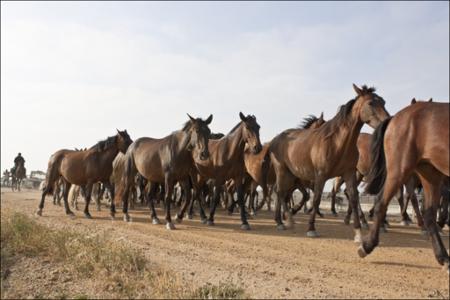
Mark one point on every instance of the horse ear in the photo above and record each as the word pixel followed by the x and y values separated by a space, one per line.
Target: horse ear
pixel 208 121
pixel 430 100
pixel 321 116
pixel 192 119
pixel 241 115
pixel 357 89
pixel 413 100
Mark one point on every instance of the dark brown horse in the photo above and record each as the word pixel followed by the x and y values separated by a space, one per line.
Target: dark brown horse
pixel 415 140
pixel 166 161
pixel 312 156
pixel 261 171
pixel 227 162
pixel 18 175
pixel 84 168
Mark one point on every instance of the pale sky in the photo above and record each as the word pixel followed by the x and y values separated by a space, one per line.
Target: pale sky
pixel 73 72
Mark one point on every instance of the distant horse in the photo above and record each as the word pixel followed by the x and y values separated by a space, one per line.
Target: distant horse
pixel 6 177
pixel 226 162
pixel 415 140
pixel 165 161
pixel 312 156
pixel 84 168
pixel 17 176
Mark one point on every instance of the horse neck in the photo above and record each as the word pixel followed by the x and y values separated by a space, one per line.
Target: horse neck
pixel 108 155
pixel 348 131
pixel 235 143
pixel 181 140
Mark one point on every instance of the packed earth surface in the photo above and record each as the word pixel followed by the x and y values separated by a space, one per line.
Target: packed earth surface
pixel 265 262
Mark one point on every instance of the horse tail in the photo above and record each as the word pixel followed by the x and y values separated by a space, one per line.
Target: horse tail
pixel 52 175
pixel 127 176
pixel 377 173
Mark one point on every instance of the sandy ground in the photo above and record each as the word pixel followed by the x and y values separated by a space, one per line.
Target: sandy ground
pixel 266 262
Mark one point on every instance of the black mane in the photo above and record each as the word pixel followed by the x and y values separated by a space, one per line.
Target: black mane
pixel 105 144
pixel 307 122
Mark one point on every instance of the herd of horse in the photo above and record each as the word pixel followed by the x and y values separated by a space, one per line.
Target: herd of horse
pixel 409 148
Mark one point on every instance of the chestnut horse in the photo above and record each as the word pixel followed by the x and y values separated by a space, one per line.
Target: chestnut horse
pixel 315 155
pixel 227 162
pixel 262 173
pixel 84 168
pixel 415 140
pixel 166 161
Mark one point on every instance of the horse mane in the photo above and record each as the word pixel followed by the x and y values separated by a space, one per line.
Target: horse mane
pixel 307 122
pixel 105 144
pixel 235 127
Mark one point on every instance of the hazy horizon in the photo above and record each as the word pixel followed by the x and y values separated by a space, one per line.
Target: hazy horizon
pixel 73 72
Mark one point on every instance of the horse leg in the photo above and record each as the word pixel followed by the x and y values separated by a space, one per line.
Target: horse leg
pixel 338 181
pixel 443 211
pixel 214 203
pixel 66 189
pixel 240 199
pixel 406 220
pixel 169 185
pixel 318 188
pixel 41 204
pixel 150 197
pixel 305 198
pixel 87 200
pixel 112 210
pixel 394 180
pixel 431 181
pixel 186 194
pixel 352 190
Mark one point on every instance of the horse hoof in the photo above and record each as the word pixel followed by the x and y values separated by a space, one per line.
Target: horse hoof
pixel 334 214
pixel 364 226
pixel 170 226
pixel 383 229
pixel 446 267
pixel 39 212
pixel 312 234
pixel 155 221
pixel 210 223
pixel 405 223
pixel 178 219
pixel 87 216
pixel 387 225
pixel 357 239
pixel 204 220
pixel 126 218
pixel 281 227
pixel 190 217
pixel 361 252
pixel 71 215
pixel 245 227
pixel 112 217
pixel 320 215
pixel 347 221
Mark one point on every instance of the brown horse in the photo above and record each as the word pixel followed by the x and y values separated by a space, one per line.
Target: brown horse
pixel 312 156
pixel 259 168
pixel 415 140
pixel 84 168
pixel 227 162
pixel 166 161
pixel 17 176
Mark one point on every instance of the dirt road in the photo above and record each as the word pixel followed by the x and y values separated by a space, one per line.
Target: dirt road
pixel 266 262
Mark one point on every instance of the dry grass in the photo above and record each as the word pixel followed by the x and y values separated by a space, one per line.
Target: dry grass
pixel 116 269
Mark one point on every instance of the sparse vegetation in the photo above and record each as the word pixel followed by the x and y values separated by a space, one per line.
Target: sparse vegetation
pixel 119 270
pixel 226 290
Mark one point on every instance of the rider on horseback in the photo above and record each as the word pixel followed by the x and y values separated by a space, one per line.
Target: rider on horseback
pixel 19 159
